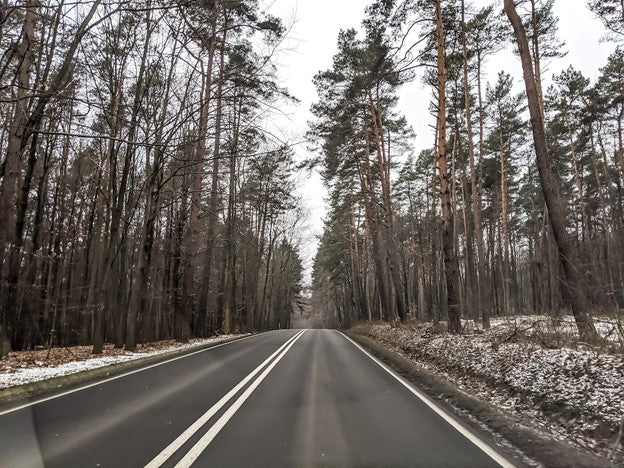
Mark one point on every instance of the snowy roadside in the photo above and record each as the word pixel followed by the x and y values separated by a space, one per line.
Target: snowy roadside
pixel 570 390
pixel 25 367
pixel 610 329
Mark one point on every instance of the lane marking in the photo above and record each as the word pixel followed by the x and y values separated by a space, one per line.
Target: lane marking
pixel 202 443
pixel 163 456
pixel 125 374
pixel 476 440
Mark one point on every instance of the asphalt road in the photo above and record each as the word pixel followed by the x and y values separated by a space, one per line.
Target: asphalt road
pixel 283 398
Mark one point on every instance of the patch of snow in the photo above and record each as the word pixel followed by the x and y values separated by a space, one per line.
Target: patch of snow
pixel 11 377
pixel 610 329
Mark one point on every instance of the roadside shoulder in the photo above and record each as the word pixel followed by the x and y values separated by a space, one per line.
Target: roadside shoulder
pixel 526 443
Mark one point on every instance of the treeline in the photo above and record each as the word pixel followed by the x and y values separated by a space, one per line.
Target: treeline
pixel 141 195
pixel 516 208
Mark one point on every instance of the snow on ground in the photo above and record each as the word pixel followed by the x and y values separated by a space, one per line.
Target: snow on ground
pixel 24 367
pixel 527 365
pixel 610 329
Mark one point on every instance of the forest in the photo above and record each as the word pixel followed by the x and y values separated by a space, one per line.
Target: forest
pixel 517 206
pixel 142 194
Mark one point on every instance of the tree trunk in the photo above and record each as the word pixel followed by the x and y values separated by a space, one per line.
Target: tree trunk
pixel 201 155
pixel 451 267
pixel 229 310
pixel 12 171
pixel 571 284
pixel 475 200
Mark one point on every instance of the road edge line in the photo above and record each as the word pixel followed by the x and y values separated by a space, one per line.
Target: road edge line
pixel 451 420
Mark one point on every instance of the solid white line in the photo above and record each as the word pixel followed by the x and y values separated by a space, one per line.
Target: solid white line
pixel 125 374
pixel 163 456
pixel 489 451
pixel 202 443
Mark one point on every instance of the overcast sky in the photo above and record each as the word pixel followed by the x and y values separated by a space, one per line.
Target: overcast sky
pixel 312 44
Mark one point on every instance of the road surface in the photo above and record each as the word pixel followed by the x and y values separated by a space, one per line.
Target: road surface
pixel 283 398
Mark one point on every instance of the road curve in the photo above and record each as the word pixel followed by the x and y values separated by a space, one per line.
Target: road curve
pixel 283 398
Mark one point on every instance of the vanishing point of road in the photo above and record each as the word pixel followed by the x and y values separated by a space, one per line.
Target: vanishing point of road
pixel 278 399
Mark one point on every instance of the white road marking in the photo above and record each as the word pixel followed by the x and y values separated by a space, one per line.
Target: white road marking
pixel 489 451
pixel 202 443
pixel 163 456
pixel 125 374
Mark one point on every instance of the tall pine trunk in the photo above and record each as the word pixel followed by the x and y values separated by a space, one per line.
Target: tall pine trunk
pixel 571 284
pixel 475 228
pixel 451 267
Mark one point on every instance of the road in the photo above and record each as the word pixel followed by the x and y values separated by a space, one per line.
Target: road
pixel 283 398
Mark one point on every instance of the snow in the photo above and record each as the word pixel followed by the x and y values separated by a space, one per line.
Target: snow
pixel 529 365
pixel 20 370
pixel 610 329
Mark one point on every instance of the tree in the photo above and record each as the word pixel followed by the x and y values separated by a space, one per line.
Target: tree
pixel 611 13
pixel 571 284
pixel 481 36
pixel 26 121
pixel 504 110
pixel 112 131
pixel 355 119
pixel 451 267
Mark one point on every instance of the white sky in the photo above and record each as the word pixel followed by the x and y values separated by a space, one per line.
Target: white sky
pixel 312 44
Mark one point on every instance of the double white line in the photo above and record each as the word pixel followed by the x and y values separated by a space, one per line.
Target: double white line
pixel 202 443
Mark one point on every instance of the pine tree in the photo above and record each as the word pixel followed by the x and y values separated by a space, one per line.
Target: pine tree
pixel 571 282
